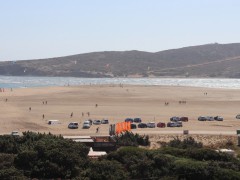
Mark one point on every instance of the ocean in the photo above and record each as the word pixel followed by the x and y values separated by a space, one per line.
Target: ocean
pixel 25 82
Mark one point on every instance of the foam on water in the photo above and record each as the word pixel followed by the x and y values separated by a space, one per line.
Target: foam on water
pixel 20 82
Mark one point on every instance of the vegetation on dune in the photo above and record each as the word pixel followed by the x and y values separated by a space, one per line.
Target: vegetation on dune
pixel 46 156
pixel 130 139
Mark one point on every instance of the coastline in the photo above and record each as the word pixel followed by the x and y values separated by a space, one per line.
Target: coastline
pixel 29 81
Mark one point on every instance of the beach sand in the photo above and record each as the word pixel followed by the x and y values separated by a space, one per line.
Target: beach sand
pixel 117 103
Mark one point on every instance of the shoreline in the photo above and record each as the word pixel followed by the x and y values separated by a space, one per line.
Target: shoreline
pixel 29 81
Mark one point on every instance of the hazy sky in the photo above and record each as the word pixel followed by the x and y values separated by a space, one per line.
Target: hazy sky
pixel 32 29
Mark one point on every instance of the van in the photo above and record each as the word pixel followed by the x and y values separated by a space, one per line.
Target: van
pixel 52 122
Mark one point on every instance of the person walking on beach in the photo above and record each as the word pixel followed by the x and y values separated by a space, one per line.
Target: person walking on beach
pixel 88 113
pixel 43 116
pixel 97 129
pixel 82 114
pixel 30 108
pixel 71 115
pixel 45 102
pixel 96 105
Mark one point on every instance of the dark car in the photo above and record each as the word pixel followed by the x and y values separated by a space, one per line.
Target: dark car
pixel 129 120
pixel 137 120
pixel 133 126
pixel 142 125
pixel 184 119
pixel 104 121
pixel 97 122
pixel 175 119
pixel 202 118
pixel 161 125
pixel 218 118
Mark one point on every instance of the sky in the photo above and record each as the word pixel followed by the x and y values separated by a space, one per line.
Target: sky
pixel 53 28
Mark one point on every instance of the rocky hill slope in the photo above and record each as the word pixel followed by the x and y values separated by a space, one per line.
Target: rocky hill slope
pixel 211 60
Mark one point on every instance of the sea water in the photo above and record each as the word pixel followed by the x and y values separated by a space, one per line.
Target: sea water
pixel 24 82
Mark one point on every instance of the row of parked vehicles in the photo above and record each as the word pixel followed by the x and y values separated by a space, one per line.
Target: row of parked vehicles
pixel 87 124
pixel 174 122
pixel 153 125
pixel 210 118
pixel 148 125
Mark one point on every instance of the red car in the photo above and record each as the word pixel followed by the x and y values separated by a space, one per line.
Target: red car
pixel 184 119
pixel 161 125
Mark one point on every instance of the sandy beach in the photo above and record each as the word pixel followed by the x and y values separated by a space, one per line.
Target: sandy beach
pixel 117 103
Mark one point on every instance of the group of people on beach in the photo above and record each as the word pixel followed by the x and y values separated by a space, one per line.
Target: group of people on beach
pixel 166 103
pixel 182 102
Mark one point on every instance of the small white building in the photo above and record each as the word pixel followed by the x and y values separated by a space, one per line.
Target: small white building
pixel 96 154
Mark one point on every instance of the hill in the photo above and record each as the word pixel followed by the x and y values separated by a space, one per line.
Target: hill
pixel 211 60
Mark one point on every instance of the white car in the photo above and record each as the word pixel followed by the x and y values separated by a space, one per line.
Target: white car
pixel 86 125
pixel 238 116
pixel 151 125
pixel 73 125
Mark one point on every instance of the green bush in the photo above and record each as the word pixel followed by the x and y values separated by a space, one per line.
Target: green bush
pixel 188 142
pixel 130 139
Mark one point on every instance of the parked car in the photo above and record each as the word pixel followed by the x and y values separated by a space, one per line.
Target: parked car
pixel 104 121
pixel 90 121
pixel 73 125
pixel 210 118
pixel 96 122
pixel 184 119
pixel 151 125
pixel 133 126
pixel 142 125
pixel 175 118
pixel 202 118
pixel 238 116
pixel 129 120
pixel 174 124
pixel 161 125
pixel 218 118
pixel 137 120
pixel 86 124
